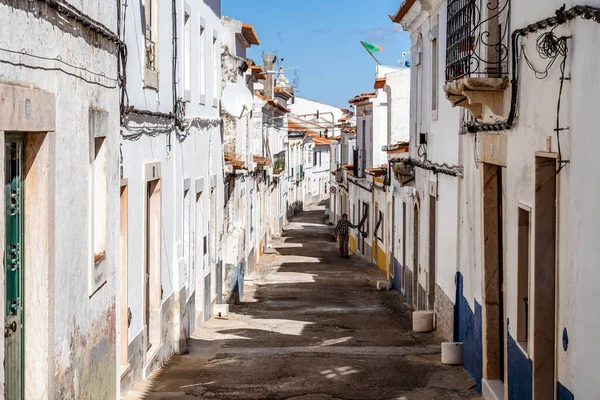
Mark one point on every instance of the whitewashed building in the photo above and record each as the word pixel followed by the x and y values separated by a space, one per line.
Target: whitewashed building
pixel 242 177
pixel 367 186
pixel 519 218
pixel 172 191
pixel 270 115
pixel 59 123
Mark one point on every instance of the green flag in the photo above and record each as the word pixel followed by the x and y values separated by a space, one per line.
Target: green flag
pixel 371 48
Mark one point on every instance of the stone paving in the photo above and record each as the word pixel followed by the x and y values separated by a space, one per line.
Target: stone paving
pixel 311 326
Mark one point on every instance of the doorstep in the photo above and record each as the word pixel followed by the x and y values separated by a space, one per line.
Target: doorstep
pixel 492 389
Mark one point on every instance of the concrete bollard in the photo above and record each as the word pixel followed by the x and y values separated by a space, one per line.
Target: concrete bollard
pixel 452 353
pixel 422 321
pixel 383 285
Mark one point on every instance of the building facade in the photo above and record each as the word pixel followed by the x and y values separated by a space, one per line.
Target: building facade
pixel 59 131
pixel 497 179
pixel 172 189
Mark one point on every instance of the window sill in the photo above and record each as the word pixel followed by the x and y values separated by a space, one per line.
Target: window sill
pixel 150 79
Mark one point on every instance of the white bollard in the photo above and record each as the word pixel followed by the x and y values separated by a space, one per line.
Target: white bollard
pixel 452 353
pixel 220 310
pixel 422 321
pixel 383 285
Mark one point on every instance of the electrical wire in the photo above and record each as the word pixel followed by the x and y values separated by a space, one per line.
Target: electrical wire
pixel 21 64
pixel 550 47
pixel 75 14
pixel 60 60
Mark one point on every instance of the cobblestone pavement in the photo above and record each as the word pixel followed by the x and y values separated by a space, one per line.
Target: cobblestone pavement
pixel 311 326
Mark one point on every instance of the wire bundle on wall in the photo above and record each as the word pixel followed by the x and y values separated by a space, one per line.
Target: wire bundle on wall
pixel 550 47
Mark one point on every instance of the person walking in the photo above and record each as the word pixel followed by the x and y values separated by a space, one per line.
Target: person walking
pixel 342 234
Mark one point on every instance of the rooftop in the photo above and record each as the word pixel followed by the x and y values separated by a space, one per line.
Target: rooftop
pixel 362 97
pixel 404 8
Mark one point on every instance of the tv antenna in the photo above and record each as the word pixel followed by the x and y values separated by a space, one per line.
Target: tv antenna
pixel 296 83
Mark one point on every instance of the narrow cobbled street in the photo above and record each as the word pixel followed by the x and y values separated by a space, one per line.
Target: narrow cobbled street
pixel 311 326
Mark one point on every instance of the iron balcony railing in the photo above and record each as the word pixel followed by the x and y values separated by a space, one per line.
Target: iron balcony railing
pixel 477 41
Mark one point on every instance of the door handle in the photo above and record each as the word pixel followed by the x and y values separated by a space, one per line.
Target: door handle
pixel 8 328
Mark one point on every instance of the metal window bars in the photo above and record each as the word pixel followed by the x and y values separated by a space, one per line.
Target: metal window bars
pixel 477 39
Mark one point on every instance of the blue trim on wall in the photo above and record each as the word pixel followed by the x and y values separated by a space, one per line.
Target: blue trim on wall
pixel 563 393
pixel 467 329
pixel 397 279
pixel 520 370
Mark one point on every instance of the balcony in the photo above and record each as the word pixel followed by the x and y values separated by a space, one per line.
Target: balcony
pixel 477 56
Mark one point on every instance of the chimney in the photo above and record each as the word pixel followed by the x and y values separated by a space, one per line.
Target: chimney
pixel 269 61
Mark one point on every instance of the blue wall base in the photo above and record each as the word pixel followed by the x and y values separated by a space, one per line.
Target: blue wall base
pixel 467 329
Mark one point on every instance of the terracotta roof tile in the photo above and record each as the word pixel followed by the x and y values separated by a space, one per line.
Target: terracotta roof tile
pixel 320 141
pixel 250 34
pixel 273 103
pixel 404 7
pixel 362 97
pixel 261 160
pixel 379 83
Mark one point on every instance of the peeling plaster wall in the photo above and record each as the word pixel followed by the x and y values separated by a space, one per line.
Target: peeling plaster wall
pixel 70 351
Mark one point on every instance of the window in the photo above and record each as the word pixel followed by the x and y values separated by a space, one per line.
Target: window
pixel 202 63
pixel 459 40
pixel 523 270
pixel 363 144
pixel 314 158
pixel 186 234
pixel 216 68
pixel 99 199
pixel 187 55
pixel 434 75
pixel 476 44
pixel 151 19
pixel 320 158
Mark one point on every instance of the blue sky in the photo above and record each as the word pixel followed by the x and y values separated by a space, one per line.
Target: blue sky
pixel 322 37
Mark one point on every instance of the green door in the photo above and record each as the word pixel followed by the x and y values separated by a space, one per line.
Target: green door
pixel 13 324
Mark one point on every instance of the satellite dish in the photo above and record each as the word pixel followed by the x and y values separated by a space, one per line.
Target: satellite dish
pixel 237 100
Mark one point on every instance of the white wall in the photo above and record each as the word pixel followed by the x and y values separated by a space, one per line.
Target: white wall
pixel 59 304
pixel 193 156
pixel 398 90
